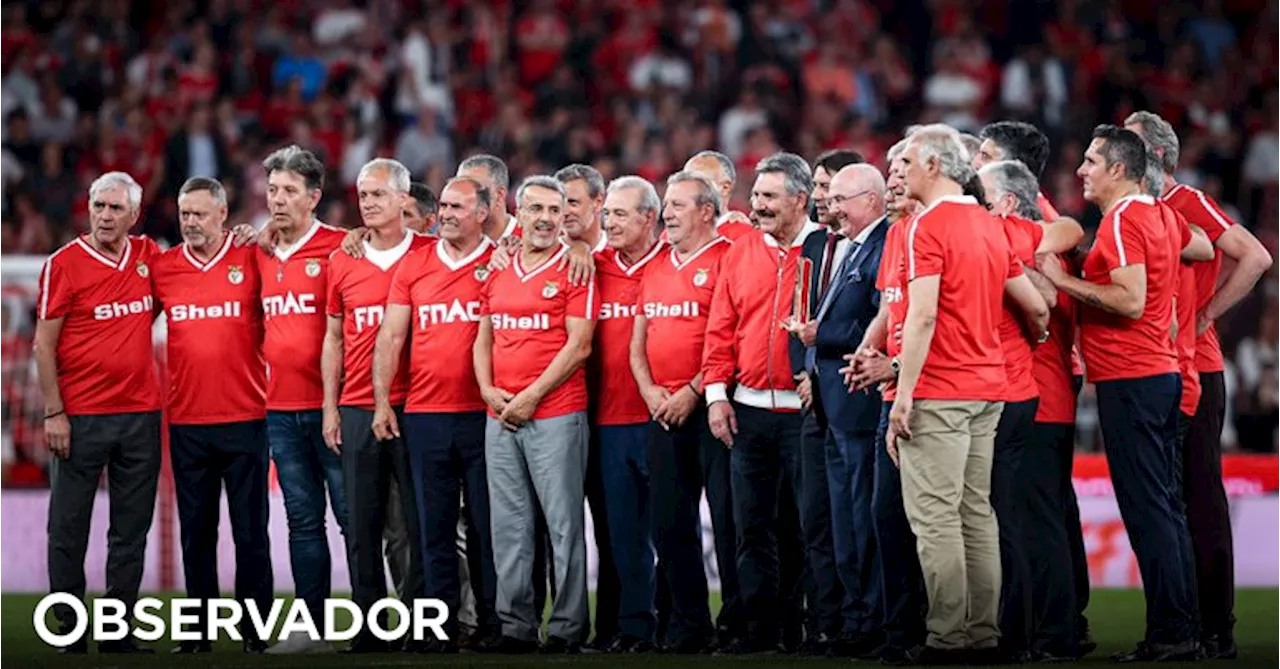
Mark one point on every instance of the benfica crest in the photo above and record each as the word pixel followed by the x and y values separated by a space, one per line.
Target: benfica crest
pixel 482 273
pixel 549 291
pixel 313 268
pixel 142 270
pixel 700 278
pixel 235 274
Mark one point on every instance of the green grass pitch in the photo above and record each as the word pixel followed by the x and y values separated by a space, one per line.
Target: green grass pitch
pixel 1116 617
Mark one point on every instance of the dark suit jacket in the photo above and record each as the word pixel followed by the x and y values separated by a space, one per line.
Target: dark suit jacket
pixel 854 305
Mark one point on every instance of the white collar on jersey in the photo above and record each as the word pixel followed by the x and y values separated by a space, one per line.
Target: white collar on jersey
pixel 679 263
pixel 217 257
pixel 284 252
pixel 443 254
pixel 809 228
pixel 385 259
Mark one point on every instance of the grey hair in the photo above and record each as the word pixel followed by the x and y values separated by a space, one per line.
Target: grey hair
pixel 942 143
pixel 1159 134
pixel 298 160
pixel 649 201
pixel 212 186
pixel 1014 178
pixel 798 178
pixel 1153 180
pixel 897 149
pixel 587 173
pixel 539 181
pixel 707 191
pixel 117 180
pixel 971 144
pixel 397 173
pixel 491 164
pixel 726 165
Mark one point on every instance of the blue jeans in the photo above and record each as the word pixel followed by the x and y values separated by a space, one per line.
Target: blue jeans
pixel 624 464
pixel 304 466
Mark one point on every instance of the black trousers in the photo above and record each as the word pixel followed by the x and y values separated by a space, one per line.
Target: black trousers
pixel 608 587
pixel 1075 532
pixel 824 592
pixel 1046 476
pixel 128 447
pixel 1208 515
pixel 717 481
pixel 369 469
pixel 901 580
pixel 204 459
pixel 764 463
pixel 675 489
pixel 1008 499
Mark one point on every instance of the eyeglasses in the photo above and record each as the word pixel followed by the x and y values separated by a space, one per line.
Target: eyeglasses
pixel 837 199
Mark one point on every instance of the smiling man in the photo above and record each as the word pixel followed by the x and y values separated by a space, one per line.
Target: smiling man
pixel 208 289
pixel 534 337
pixel 92 344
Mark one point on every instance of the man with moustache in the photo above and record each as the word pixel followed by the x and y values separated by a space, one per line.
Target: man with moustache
pixel 93 339
pixel 666 356
pixel 631 209
pixel 372 462
pixel 534 337
pixel 435 304
pixel 821 256
pixel 855 199
pixel 719 170
pixel 208 290
pixel 746 346
pixel 1208 515
pixel 1127 295
pixel 294 282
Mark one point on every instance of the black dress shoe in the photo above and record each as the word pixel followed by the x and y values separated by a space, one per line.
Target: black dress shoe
pixel 691 645
pixel 746 647
pixel 1187 651
pixel 629 644
pixel 554 645
pixel 1085 645
pixel 929 655
pixel 1219 647
pixel 192 647
pixel 125 646
pixel 894 656
pixel 255 646
pixel 816 645
pixel 431 646
pixel 507 645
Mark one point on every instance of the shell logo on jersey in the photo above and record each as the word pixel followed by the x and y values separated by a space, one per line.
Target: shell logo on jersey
pixel 700 278
pixel 440 314
pixel 549 291
pixel 617 310
pixel 288 304
pixel 313 268
pixel 368 317
pixel 106 312
pixel 191 312
pixel 235 274
pixel 686 309
pixel 892 294
pixel 482 273
pixel 534 322
pixel 142 270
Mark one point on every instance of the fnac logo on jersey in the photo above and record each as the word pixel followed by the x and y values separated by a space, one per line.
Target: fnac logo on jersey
pixel 192 312
pixel 443 314
pixel 368 317
pixel 106 312
pixel 289 304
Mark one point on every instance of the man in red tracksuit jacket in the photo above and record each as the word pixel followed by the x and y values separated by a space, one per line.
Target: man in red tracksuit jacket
pixel 759 417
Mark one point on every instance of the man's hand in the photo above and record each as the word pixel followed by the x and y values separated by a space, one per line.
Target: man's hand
pixel 57 432
pixel 331 428
pixel 891 445
pixel 723 422
pixel 873 367
pixel 806 332
pixel 581 264
pixel 519 410
pixel 385 425
pixel 900 417
pixel 243 235
pixel 654 397
pixel 804 388
pixel 267 240
pixel 501 258
pixel 1051 269
pixel 353 243
pixel 677 408
pixel 1203 323
pixel 737 217
pixel 496 398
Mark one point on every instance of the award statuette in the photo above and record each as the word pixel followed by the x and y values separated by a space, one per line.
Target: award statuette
pixel 800 310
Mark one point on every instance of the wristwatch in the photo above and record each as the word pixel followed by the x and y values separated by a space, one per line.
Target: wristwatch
pixel 895 364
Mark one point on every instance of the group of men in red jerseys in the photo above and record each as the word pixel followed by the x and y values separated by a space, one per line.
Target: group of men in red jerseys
pixel 608 345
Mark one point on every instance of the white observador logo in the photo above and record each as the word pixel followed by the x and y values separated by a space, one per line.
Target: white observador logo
pixel 225 614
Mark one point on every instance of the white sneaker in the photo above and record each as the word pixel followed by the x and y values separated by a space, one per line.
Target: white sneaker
pixel 300 644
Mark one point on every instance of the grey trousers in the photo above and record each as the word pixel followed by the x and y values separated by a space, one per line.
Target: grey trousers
pixel 128 446
pixel 545 463
pixel 467 615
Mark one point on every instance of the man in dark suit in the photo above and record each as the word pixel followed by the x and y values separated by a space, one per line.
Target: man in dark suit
pixel 820 257
pixel 842 313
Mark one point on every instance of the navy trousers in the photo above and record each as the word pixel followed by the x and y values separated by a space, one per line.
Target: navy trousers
pixel 824 591
pixel 1049 553
pixel 851 465
pixel 1009 500
pixel 624 464
pixel 902 583
pixel 1139 420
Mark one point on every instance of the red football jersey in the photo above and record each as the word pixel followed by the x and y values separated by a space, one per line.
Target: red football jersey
pixel 734 230
pixel 1200 210
pixel 1023 237
pixel 675 298
pixel 1136 230
pixel 106 363
pixel 891 280
pixel 1046 208
pixel 1054 362
pixel 293 304
pixel 444 296
pixel 528 309
pixel 216 370
pixel 618 397
pixel 1186 342
pixel 358 290
pixel 956 238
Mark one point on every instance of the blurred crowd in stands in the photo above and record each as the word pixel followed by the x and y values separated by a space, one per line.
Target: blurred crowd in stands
pixel 170 90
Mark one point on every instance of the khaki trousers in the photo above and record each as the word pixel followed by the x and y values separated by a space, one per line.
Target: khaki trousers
pixel 946 489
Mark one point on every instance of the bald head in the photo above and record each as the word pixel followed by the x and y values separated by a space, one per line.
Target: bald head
pixel 856 197
pixel 716 168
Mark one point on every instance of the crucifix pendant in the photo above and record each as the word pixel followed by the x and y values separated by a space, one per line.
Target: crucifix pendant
pixel 279 273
